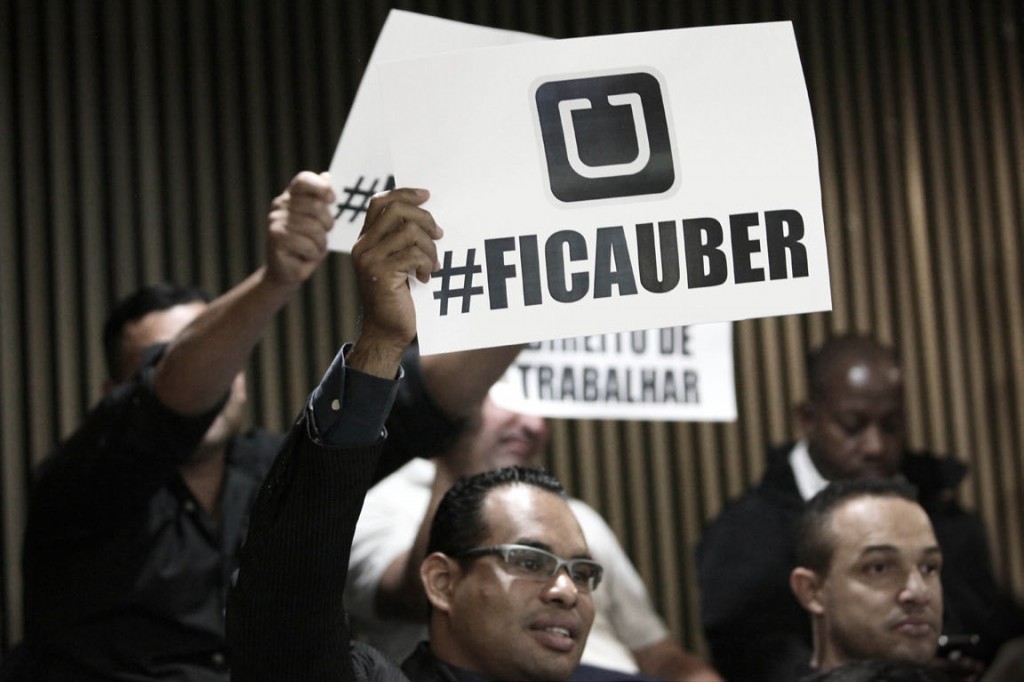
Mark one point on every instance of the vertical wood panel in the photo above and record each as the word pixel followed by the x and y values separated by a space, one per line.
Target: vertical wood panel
pixel 148 160
pixel 238 256
pixel 89 218
pixel 13 463
pixel 1007 226
pixel 986 293
pixel 34 246
pixel 62 238
pixel 182 264
pixel 206 228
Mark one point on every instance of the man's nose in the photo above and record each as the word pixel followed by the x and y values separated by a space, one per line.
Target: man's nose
pixel 534 425
pixel 561 589
pixel 872 440
pixel 916 589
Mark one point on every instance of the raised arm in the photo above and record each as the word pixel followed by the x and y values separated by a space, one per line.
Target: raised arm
pixel 285 616
pixel 203 360
pixel 459 381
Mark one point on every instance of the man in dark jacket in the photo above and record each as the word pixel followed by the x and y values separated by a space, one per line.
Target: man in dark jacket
pixel 853 427
pixel 508 574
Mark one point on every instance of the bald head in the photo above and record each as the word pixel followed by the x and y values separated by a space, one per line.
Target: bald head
pixel 853 417
pixel 850 358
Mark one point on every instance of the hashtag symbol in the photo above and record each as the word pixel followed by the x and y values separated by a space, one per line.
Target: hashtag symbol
pixel 359 197
pixel 447 271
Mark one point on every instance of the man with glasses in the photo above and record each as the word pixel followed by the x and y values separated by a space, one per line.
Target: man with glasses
pixel 385 596
pixel 501 604
pixel 509 575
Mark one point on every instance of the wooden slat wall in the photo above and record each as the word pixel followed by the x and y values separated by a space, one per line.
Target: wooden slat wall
pixel 143 140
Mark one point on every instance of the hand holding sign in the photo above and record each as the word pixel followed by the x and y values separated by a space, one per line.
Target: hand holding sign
pixel 396 242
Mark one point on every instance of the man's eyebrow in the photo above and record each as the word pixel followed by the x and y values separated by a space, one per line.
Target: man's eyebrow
pixel 537 544
pixel 882 549
pixel 892 549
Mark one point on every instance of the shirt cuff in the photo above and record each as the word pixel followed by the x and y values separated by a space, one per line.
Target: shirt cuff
pixel 348 409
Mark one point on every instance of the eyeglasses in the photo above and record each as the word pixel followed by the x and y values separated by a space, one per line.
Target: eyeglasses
pixel 529 562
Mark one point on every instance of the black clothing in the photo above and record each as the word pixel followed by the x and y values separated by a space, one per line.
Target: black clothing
pixel 421 666
pixel 126 576
pixel 755 627
pixel 286 618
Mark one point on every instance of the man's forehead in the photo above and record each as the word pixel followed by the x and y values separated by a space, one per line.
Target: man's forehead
pixel 161 326
pixel 517 511
pixel 518 500
pixel 872 523
pixel 867 393
pixel 864 377
pixel 864 373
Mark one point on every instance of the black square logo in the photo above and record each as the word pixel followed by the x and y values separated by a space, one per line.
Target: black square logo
pixel 605 136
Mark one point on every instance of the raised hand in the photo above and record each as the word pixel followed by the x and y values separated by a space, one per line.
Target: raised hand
pixel 397 240
pixel 299 220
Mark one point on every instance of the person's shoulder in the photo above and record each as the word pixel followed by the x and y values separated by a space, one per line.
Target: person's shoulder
pixel 582 509
pixel 762 518
pixel 752 514
pixel 937 479
pixel 372 666
pixel 773 495
pixel 596 529
pixel 933 472
pixel 254 451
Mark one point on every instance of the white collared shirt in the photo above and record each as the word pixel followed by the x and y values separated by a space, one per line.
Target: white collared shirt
pixel 809 480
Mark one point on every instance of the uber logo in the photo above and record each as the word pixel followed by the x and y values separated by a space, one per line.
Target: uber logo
pixel 605 136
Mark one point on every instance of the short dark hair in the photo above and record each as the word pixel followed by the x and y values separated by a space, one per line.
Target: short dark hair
pixel 458 524
pixel 844 348
pixel 145 300
pixel 814 542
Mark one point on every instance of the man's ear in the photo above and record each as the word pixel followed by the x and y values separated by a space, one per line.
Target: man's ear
pixel 439 574
pixel 806 586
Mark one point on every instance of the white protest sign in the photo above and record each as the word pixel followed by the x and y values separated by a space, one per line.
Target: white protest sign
pixel 674 374
pixel 361 166
pixel 611 183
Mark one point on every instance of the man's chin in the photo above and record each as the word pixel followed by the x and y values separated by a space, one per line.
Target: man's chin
pixel 513 459
pixel 874 473
pixel 914 648
pixel 552 670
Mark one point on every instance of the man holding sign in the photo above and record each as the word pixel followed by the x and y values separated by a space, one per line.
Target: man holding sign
pixel 509 577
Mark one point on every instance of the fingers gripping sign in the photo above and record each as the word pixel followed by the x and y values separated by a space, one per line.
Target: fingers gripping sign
pixel 299 219
pixel 396 242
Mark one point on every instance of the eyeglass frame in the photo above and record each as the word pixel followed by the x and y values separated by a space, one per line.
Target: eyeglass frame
pixel 504 549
